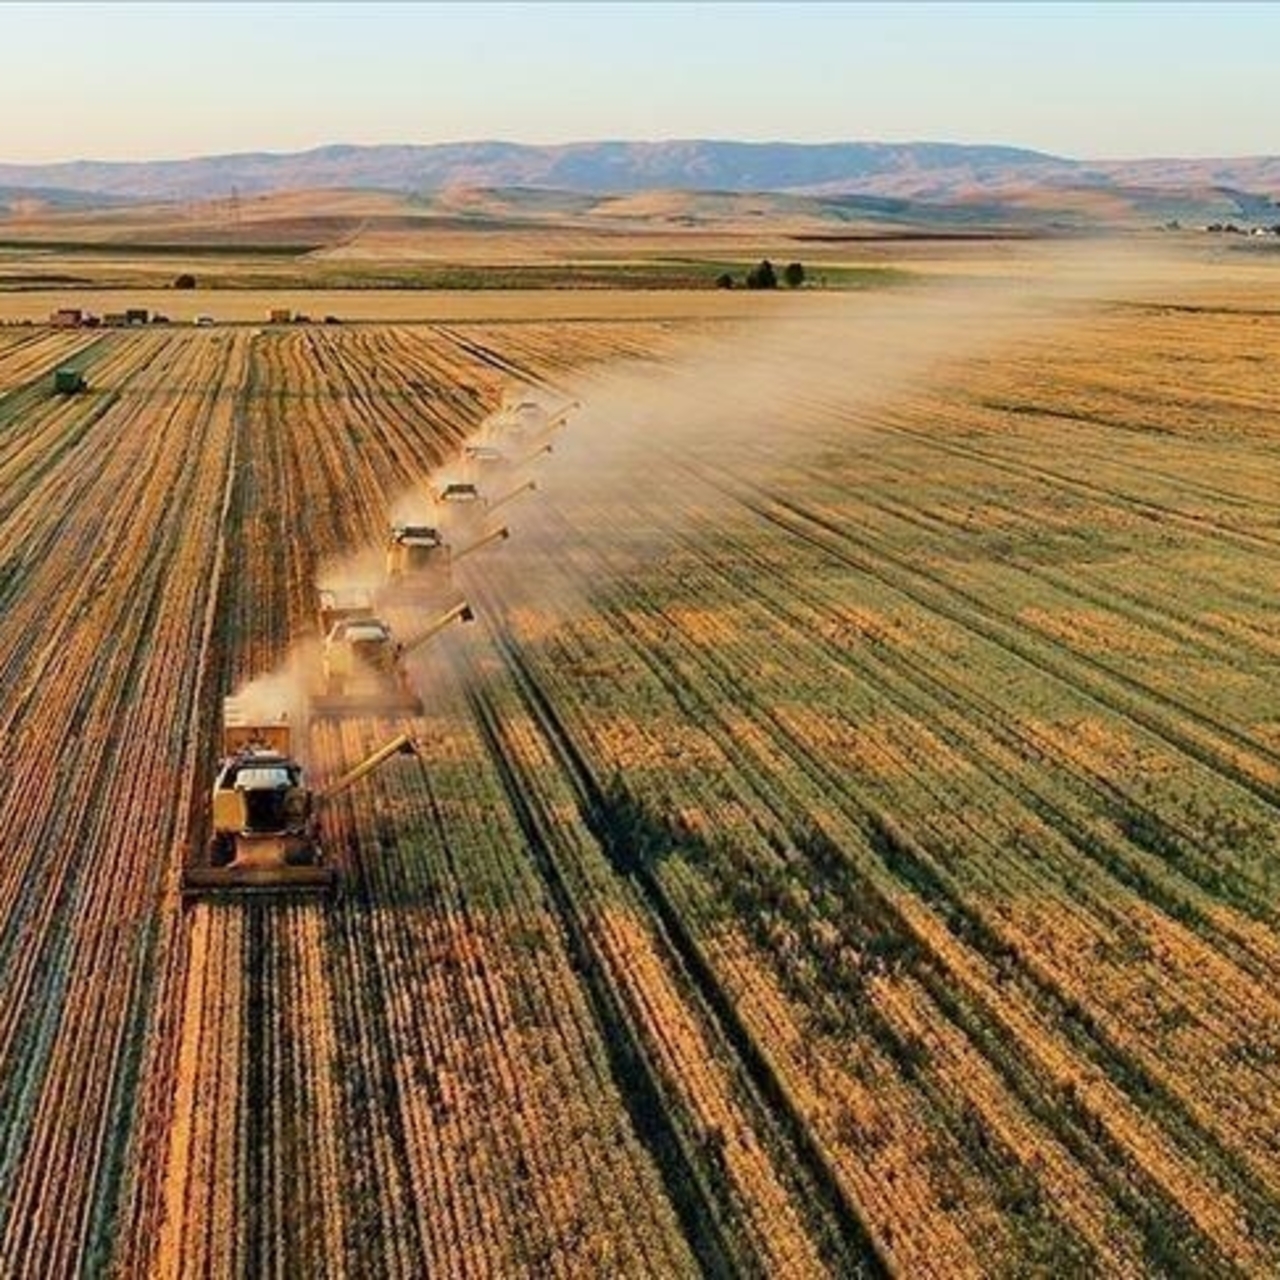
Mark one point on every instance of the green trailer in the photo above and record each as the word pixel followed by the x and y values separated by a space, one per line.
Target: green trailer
pixel 67 382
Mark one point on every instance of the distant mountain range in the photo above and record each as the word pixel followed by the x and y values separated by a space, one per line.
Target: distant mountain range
pixel 927 172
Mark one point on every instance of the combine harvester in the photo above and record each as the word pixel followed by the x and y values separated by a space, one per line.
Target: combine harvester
pixel 362 664
pixel 465 508
pixel 265 820
pixel 460 498
pixel 523 417
pixel 420 562
pixel 490 459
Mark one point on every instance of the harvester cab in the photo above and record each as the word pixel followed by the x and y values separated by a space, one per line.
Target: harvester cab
pixel 264 836
pixel 459 493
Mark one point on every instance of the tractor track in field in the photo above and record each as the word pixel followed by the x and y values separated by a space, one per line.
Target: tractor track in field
pixel 1022 739
pixel 1158 1206
pixel 1157 712
pixel 700 1217
pixel 844 1227
pixel 1202 526
pixel 898 575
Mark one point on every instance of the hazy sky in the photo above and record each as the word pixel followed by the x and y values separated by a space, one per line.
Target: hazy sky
pixel 1092 81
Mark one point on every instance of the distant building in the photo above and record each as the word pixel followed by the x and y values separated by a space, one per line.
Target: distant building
pixel 66 318
pixel 281 315
pixel 136 315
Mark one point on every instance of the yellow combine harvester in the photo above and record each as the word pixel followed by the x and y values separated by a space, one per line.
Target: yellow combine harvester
pixel 465 507
pixel 264 819
pixel 523 416
pixel 363 671
pixel 419 557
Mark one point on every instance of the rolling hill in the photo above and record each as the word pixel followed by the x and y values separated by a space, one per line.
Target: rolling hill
pixel 687 183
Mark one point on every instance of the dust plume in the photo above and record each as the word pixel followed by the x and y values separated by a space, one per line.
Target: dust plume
pixel 640 460
pixel 360 570
pixel 282 691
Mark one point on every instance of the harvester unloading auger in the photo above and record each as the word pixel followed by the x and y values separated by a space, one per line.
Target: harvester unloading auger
pixel 264 819
pixel 362 663
pixel 511 495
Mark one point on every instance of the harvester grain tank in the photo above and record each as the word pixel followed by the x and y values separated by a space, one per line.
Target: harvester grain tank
pixel 264 819
pixel 342 604
pixel 363 663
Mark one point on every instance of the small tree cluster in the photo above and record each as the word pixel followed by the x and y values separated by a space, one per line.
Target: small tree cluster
pixel 763 276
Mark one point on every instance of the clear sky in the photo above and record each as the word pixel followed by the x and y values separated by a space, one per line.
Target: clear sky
pixel 1090 81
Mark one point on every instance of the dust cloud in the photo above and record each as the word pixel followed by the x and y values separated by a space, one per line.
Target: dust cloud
pixel 360 570
pixel 283 691
pixel 639 460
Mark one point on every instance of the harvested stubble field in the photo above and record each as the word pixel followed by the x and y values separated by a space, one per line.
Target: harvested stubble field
pixel 845 843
